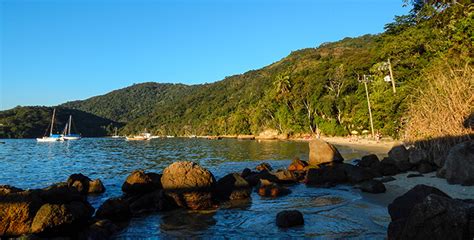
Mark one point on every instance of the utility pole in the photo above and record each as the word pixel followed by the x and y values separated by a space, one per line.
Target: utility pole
pixel 391 76
pixel 365 79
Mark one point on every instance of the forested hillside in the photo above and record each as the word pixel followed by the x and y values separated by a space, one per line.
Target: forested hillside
pixel 313 89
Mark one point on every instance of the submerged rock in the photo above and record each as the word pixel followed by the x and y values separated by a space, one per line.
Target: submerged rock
pixel 459 165
pixel 101 229
pixel 232 187
pixel 273 190
pixel 189 184
pixel 289 218
pixel 323 152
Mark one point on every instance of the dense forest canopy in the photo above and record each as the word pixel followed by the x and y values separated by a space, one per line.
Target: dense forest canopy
pixel 313 89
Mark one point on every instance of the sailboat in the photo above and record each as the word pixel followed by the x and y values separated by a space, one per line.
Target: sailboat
pixel 52 137
pixel 145 136
pixel 115 135
pixel 67 131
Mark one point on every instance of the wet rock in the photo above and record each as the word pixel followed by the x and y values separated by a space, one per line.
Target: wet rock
pixel 151 202
pixel 401 207
pixel 372 186
pixel 232 187
pixel 289 218
pixel 96 186
pixel 189 185
pixel 437 217
pixel 332 174
pixel 272 190
pixel 101 229
pixel 368 161
pixel 425 167
pixel 61 219
pixel 399 154
pixel 356 174
pixel 459 164
pixel 403 166
pixel 17 211
pixel 323 152
pixel 417 155
pixel 7 189
pixel 246 172
pixel 285 176
pixel 297 165
pixel 139 182
pixel 115 209
pixel 264 167
pixel 254 178
pixel 80 182
pixel 412 175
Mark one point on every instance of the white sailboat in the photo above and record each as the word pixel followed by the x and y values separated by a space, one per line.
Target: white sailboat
pixel 115 135
pixel 67 131
pixel 52 137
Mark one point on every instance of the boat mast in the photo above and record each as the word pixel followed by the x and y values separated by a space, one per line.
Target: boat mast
pixel 52 122
pixel 69 129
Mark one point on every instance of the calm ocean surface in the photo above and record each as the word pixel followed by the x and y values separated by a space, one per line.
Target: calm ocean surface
pixel 339 212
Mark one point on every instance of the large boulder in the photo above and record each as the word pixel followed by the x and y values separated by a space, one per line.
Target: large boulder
pixel 356 174
pixel 232 187
pixel 388 167
pixel 60 193
pixel 289 218
pixel 139 182
pixel 417 155
pixel 189 184
pixel 115 209
pixel 323 152
pixel 401 206
pixel 368 161
pixel 459 164
pixel 17 211
pixel 399 153
pixel 61 219
pixel 436 217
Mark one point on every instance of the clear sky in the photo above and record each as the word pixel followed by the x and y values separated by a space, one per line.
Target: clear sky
pixel 53 51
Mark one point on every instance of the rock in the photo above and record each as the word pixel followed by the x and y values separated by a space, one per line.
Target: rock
pixel 399 154
pixel 401 207
pixel 290 218
pixel 189 185
pixel 254 178
pixel 412 175
pixel 417 155
pixel 387 179
pixel 323 152
pixel 437 217
pixel 115 209
pixel 285 176
pixel 60 193
pixel 333 174
pixel 356 174
pixel 7 189
pixel 441 172
pixel 101 229
pixel 439 161
pixel 425 167
pixel 17 211
pixel 246 172
pixel 297 165
pixel 388 167
pixel 372 186
pixel 139 182
pixel 61 219
pixel 264 167
pixel 80 182
pixel 272 190
pixel 403 166
pixel 368 161
pixel 150 202
pixel 232 187
pixel 459 164
pixel 96 186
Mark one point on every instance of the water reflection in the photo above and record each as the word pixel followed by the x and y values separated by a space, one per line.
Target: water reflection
pixel 330 213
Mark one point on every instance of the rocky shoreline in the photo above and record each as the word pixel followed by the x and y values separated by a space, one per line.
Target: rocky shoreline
pixel 62 210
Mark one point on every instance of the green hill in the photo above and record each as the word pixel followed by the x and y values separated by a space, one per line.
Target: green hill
pixel 310 89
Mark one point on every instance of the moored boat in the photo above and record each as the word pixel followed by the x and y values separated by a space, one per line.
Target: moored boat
pixel 142 137
pixel 67 135
pixel 52 137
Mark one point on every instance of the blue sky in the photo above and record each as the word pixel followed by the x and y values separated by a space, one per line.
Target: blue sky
pixel 54 51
